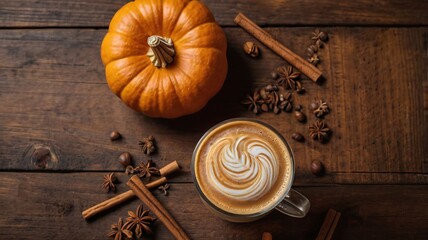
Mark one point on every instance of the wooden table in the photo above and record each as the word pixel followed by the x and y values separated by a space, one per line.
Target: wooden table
pixel 53 93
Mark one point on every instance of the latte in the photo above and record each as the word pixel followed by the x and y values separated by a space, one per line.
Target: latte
pixel 243 167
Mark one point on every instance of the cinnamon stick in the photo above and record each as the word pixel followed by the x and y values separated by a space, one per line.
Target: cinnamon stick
pixel 109 203
pixel 264 37
pixel 123 197
pixel 153 204
pixel 333 226
pixel 169 168
pixel 329 225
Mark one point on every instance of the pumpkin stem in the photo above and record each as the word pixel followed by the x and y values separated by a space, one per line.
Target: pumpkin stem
pixel 161 51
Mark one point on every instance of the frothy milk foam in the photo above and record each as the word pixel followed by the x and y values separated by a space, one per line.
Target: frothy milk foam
pixel 243 167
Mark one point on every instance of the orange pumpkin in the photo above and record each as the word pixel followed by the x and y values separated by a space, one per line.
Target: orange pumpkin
pixel 164 58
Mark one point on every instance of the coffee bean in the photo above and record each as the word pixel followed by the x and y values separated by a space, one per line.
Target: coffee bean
pixel 314 105
pixel 323 36
pixel 125 159
pixel 317 168
pixel 310 51
pixel 298 137
pixel 115 135
pixel 288 107
pixel 275 75
pixel 314 48
pixel 319 43
pixel 301 117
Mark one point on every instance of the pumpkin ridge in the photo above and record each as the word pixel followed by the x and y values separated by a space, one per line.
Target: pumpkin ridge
pixel 208 95
pixel 119 92
pixel 170 77
pixel 139 88
pixel 174 23
pixel 212 19
pixel 176 20
pixel 134 55
pixel 210 48
pixel 113 48
pixel 195 80
pixel 138 5
pixel 130 39
pixel 187 75
pixel 193 29
pixel 130 10
pixel 193 107
pixel 125 35
pixel 181 41
pixel 161 17
pixel 159 101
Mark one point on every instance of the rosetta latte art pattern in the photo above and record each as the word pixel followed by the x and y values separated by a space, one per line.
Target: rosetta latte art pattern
pixel 242 168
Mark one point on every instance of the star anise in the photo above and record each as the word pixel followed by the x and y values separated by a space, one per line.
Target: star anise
pixel 322 108
pixel 164 189
pixel 287 77
pixel 254 102
pixel 146 169
pixel 319 37
pixel 314 59
pixel 319 131
pixel 119 232
pixel 270 97
pixel 139 222
pixel 108 183
pixel 148 145
pixel 278 98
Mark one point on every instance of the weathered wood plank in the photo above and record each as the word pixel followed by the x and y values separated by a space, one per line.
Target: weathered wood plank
pixel 97 13
pixel 49 205
pixel 53 92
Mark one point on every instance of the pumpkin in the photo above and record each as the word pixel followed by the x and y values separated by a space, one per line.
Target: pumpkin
pixel 164 58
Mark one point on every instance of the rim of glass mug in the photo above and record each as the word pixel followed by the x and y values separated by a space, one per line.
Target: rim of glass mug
pixel 233 215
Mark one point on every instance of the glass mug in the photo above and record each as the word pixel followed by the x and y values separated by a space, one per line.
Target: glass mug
pixel 243 169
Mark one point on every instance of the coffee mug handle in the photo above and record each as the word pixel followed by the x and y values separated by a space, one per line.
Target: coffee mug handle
pixel 294 204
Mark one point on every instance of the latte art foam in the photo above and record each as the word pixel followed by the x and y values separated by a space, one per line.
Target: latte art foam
pixel 241 167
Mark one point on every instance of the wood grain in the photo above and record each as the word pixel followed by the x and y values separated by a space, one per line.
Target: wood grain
pixel 97 13
pixel 53 93
pixel 35 208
